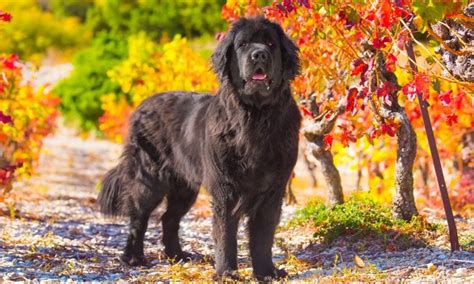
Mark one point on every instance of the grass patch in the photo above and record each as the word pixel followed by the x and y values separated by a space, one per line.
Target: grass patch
pixel 359 216
pixel 466 240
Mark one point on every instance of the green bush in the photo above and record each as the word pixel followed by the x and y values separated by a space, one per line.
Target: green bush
pixel 360 216
pixel 190 18
pixel 80 93
pixel 357 216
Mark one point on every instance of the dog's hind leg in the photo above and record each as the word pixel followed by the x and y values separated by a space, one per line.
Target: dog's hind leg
pixel 142 203
pixel 180 200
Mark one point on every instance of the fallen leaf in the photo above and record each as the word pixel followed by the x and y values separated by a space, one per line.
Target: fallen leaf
pixel 431 267
pixel 359 262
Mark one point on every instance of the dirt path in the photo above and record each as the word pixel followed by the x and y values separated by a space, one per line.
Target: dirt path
pixel 57 234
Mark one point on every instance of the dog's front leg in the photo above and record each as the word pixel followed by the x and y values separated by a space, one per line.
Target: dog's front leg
pixel 262 227
pixel 225 237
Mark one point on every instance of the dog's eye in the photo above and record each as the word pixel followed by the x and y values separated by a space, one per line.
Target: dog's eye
pixel 243 44
pixel 270 44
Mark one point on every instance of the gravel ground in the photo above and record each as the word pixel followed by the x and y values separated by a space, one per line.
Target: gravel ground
pixel 57 234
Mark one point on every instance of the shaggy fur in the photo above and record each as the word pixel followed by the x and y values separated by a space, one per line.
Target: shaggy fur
pixel 241 145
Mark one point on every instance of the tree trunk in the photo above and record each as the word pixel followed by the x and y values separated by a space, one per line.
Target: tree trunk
pixel 314 132
pixel 403 206
pixel 329 171
pixel 457 44
pixel 310 165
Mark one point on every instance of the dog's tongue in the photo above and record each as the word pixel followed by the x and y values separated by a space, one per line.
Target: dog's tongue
pixel 259 76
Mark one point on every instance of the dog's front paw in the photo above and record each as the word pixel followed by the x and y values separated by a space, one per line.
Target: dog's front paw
pixel 272 274
pixel 133 260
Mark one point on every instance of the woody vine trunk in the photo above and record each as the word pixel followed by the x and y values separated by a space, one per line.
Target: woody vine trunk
pixel 403 205
pixel 314 131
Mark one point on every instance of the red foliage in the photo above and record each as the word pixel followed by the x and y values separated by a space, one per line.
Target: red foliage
pixel 5 17
pixel 328 141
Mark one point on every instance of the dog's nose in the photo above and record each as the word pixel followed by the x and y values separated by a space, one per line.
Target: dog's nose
pixel 259 56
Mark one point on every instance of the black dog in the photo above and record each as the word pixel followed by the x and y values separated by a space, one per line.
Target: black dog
pixel 241 145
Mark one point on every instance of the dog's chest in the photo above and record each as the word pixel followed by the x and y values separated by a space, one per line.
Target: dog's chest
pixel 261 157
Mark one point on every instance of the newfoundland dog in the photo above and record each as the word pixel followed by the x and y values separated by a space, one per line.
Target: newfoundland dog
pixel 241 145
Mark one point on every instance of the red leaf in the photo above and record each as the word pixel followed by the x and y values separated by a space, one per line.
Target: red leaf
pixel 370 16
pixel 346 135
pixel 306 112
pixel 5 17
pixel 359 67
pixel 445 97
pixel 9 62
pixel 328 141
pixel 289 5
pixel 452 119
pixel 390 62
pixel 414 114
pixel 419 86
pixel 381 43
pixel 384 14
pixel 5 118
pixel 422 83
pixel 389 129
pixel 351 98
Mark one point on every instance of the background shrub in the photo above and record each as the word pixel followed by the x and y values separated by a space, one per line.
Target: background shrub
pixel 34 31
pixel 146 23
pixel 190 18
pixel 80 93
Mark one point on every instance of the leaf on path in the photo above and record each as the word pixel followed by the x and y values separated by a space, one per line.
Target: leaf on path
pixel 359 262
pixel 431 267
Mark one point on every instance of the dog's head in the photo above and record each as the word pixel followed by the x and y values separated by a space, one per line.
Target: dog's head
pixel 256 57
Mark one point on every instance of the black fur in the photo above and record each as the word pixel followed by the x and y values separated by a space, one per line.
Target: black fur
pixel 241 145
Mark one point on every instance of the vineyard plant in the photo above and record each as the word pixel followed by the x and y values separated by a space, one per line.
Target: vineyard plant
pixel 385 90
pixel 358 94
pixel 27 116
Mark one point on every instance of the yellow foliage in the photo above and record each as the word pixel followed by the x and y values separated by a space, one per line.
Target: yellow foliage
pixel 151 69
pixel 34 31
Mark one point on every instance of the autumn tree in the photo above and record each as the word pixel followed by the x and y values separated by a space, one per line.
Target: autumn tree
pixel 355 85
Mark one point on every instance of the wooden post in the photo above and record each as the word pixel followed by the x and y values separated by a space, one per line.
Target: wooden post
pixel 453 235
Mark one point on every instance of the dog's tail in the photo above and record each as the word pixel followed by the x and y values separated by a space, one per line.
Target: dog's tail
pixel 111 196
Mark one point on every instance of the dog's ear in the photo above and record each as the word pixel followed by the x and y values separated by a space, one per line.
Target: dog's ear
pixel 289 54
pixel 221 56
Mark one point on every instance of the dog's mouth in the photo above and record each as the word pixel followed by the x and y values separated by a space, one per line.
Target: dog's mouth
pixel 259 78
pixel 259 75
